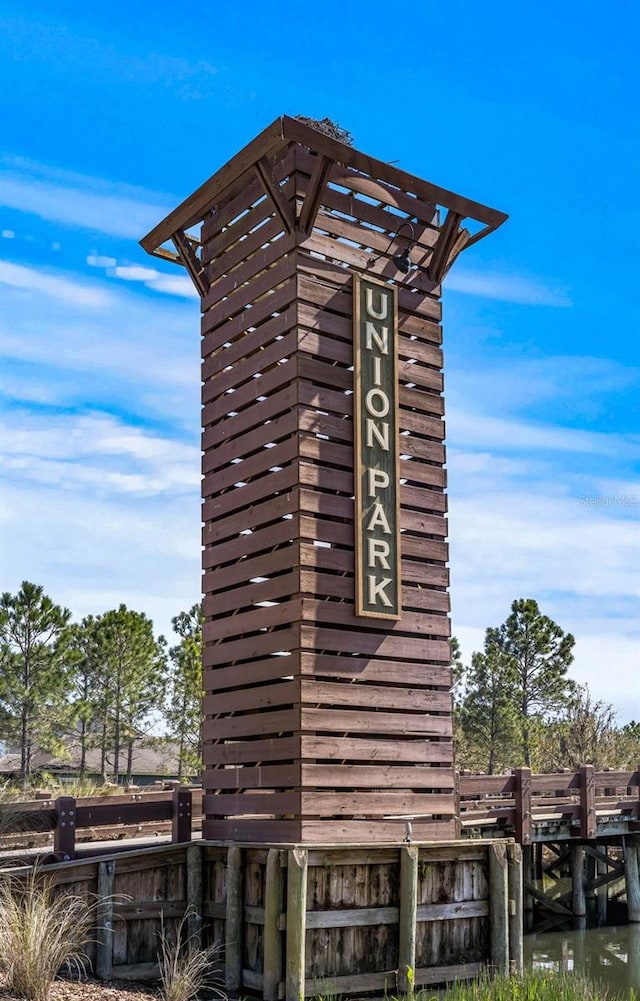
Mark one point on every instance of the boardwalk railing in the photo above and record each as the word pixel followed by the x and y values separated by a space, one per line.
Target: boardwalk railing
pixel 521 801
pixel 99 818
pixel 516 805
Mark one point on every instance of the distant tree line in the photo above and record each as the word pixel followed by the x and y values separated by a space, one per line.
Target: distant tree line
pixel 105 681
pixel 515 703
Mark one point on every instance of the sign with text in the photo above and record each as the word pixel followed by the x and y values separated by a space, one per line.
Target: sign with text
pixel 377 521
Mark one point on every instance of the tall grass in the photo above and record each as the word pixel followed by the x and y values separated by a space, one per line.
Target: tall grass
pixel 536 986
pixel 40 932
pixel 185 967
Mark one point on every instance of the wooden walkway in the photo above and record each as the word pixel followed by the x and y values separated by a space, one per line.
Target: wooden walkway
pixel 533 808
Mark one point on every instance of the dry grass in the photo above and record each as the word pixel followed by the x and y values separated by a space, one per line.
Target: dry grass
pixel 185 967
pixel 40 933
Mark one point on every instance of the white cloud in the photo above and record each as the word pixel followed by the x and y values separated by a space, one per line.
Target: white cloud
pixel 97 453
pixel 135 273
pixel 468 429
pixel 63 289
pixel 8 234
pixel 506 288
pixel 100 261
pixel 169 284
pixel 81 201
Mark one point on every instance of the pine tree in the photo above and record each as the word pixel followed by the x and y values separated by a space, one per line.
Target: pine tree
pixel 485 714
pixel 35 655
pixel 129 667
pixel 540 653
pixel 183 711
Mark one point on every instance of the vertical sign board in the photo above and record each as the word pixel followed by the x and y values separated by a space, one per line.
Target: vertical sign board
pixel 377 506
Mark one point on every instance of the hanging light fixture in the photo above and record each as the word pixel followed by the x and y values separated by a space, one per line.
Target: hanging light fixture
pixel 402 260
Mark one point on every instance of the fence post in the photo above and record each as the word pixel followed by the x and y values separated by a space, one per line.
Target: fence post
pixel 498 908
pixel 587 802
pixel 516 907
pixel 181 816
pixel 233 922
pixel 64 835
pixel 523 805
pixel 296 923
pixel 104 920
pixel 194 893
pixel 272 946
pixel 407 918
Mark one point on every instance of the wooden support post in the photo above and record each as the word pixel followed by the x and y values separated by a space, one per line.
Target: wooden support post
pixel 516 908
pixel 602 869
pixel 194 893
pixel 527 875
pixel 591 896
pixel 632 877
pixel 407 918
pixel 272 943
pixel 579 903
pixel 104 920
pixel 587 802
pixel 523 805
pixel 296 924
pixel 498 908
pixel 233 922
pixel 181 817
pixel 64 835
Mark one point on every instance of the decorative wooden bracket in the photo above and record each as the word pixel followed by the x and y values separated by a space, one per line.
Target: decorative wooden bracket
pixel 274 192
pixel 448 240
pixel 313 197
pixel 188 257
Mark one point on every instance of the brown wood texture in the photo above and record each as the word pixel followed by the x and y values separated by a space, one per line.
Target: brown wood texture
pixel 303 697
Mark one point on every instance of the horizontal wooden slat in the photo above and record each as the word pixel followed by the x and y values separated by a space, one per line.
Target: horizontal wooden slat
pixel 380 670
pixel 263 697
pixel 262 724
pixel 394 724
pixel 271 749
pixel 374 696
pixel 381 645
pixel 252 777
pixel 367 776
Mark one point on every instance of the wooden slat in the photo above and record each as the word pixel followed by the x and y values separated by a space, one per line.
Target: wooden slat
pixel 344 720
pixel 367 776
pixel 402 647
pixel 239 752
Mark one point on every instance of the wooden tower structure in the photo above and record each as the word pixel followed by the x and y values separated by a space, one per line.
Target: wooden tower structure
pixel 324 719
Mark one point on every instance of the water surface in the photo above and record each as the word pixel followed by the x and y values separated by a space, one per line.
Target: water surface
pixel 609 955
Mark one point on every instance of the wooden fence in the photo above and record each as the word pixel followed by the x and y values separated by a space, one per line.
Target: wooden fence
pixel 59 824
pixel 297 921
pixel 585 802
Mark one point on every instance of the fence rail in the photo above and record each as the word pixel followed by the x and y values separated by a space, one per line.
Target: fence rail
pixel 584 799
pixel 99 818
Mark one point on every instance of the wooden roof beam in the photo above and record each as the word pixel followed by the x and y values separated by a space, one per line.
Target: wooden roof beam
pixel 313 197
pixel 448 236
pixel 274 193
pixel 190 260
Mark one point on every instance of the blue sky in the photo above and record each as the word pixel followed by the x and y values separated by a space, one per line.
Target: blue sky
pixel 112 114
